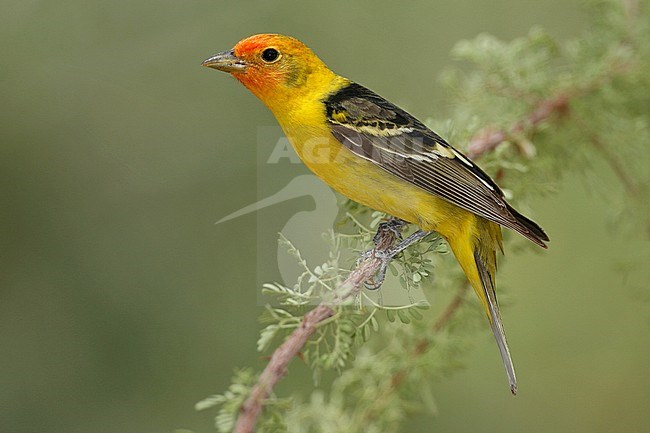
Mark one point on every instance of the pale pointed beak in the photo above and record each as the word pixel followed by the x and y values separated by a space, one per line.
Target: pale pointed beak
pixel 225 61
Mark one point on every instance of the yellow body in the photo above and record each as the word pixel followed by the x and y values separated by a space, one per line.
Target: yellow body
pixel 296 85
pixel 360 180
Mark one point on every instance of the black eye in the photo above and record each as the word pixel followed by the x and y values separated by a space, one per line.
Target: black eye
pixel 270 55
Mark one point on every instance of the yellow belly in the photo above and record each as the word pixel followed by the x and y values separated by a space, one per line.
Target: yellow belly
pixel 366 183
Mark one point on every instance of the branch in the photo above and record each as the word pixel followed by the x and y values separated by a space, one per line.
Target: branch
pixel 277 366
pixel 487 139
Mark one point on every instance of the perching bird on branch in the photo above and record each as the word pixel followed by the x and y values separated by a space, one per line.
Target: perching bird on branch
pixel 377 154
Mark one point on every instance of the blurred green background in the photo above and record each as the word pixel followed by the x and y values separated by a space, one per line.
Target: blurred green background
pixel 122 304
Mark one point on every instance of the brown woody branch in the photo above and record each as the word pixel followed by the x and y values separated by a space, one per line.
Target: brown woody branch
pixel 488 139
pixel 277 366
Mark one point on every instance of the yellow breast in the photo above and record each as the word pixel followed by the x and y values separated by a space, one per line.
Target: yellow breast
pixel 364 182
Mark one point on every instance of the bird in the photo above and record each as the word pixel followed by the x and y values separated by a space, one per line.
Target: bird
pixel 375 153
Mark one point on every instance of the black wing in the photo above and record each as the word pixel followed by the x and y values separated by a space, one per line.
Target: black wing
pixel 388 136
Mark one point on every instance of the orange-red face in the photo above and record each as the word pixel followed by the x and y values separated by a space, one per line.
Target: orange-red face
pixel 267 63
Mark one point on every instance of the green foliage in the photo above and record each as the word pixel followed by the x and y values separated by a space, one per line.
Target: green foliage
pixel 388 358
pixel 604 77
pixel 354 321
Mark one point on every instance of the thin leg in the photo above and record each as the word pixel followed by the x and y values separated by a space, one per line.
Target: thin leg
pixel 388 254
pixel 387 233
pixel 415 237
pixel 393 225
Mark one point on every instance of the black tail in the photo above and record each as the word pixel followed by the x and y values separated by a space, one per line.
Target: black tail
pixel 529 228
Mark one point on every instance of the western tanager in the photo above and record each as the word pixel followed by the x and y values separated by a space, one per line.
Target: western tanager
pixel 377 154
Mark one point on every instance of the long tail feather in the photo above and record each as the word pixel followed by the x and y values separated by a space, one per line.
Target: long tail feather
pixel 475 243
pixel 487 281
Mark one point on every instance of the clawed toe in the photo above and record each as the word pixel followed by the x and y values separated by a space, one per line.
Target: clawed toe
pixel 377 280
pixel 385 248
